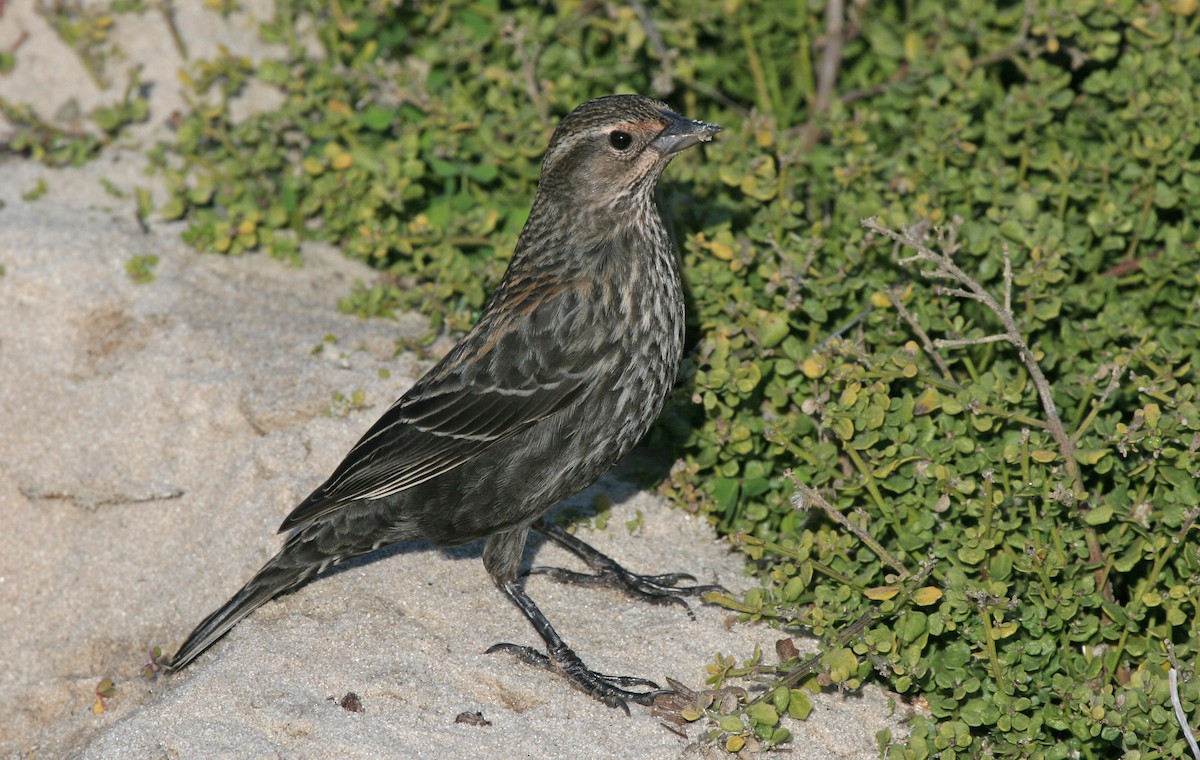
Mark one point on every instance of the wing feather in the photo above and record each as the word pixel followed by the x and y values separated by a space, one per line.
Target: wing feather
pixel 497 382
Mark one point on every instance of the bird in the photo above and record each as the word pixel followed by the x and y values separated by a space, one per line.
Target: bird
pixel 565 370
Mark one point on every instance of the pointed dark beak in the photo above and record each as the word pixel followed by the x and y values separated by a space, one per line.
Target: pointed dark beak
pixel 682 133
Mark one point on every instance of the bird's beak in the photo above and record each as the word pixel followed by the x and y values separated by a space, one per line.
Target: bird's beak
pixel 682 133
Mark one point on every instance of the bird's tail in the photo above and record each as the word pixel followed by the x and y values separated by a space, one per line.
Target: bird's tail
pixel 285 570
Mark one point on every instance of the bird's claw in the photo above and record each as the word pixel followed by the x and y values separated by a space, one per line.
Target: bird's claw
pixel 611 690
pixel 655 589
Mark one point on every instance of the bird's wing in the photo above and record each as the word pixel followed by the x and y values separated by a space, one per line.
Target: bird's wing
pixel 505 376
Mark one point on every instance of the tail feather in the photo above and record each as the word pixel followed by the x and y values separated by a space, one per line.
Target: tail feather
pixel 278 575
pixel 353 530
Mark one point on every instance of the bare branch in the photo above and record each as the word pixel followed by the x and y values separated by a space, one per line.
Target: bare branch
pixel 831 59
pixel 516 36
pixel 1180 715
pixel 167 8
pixel 806 497
pixel 1007 280
pixel 1114 380
pixel 971 288
pixel 827 70
pixel 956 343
pixel 926 343
pixel 664 80
pixel 845 328
pixel 846 635
pixel 959 293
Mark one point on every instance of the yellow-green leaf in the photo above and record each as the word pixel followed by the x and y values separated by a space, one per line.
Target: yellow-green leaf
pixel 844 427
pixel 813 367
pixel 1089 456
pixel 927 595
pixel 927 402
pixel 882 593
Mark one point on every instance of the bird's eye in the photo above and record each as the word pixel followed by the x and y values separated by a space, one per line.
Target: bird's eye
pixel 620 140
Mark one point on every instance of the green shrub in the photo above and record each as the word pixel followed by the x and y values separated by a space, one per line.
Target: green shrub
pixel 1028 579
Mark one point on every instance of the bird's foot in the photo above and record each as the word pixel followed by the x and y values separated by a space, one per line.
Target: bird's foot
pixel 611 690
pixel 655 589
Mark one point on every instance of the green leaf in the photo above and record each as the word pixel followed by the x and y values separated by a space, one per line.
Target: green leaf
pixel 725 492
pixel 377 119
pixel 763 713
pixel 1098 516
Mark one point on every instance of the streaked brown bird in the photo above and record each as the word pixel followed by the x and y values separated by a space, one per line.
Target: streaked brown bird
pixel 566 369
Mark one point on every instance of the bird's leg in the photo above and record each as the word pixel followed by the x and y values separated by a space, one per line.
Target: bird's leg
pixel 656 589
pixel 561 659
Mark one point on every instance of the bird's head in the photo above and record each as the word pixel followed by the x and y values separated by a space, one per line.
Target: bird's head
pixel 609 152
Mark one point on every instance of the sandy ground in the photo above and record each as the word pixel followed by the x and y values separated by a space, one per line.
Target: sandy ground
pixel 153 436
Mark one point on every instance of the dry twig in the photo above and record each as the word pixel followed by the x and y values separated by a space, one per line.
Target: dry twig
pixel 926 343
pixel 944 268
pixel 1114 380
pixel 1180 715
pixel 664 79
pixel 806 497
pixel 827 70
